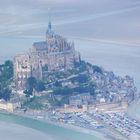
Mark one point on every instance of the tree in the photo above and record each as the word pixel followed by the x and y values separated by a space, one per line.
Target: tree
pixel 9 69
pixel 63 91
pixel 33 84
pixel 81 78
pixel 5 94
pixel 6 71
pixel 97 69
pixel 92 87
pixel 58 84
pixel 81 89
pixel 30 85
pixel 6 76
pixel 31 81
pixel 28 92
pixel 40 86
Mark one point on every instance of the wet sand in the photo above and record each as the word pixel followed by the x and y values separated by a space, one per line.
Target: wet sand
pixel 9 131
pixel 20 128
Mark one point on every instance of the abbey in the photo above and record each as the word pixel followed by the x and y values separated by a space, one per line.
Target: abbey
pixel 55 53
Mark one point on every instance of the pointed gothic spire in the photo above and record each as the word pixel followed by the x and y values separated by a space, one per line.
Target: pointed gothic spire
pixel 49 29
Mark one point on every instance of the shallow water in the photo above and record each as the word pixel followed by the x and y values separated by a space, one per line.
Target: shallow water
pixel 51 131
pixel 10 131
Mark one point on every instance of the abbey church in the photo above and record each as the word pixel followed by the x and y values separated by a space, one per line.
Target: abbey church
pixel 53 54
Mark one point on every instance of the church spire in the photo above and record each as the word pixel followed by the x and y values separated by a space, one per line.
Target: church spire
pixel 49 29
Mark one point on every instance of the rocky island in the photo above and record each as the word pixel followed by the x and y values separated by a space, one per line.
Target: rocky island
pixel 53 82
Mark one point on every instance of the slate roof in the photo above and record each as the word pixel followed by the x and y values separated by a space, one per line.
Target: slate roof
pixel 40 45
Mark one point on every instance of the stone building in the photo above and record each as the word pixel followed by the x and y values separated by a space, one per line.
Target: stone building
pixel 55 53
pixel 80 99
pixel 11 105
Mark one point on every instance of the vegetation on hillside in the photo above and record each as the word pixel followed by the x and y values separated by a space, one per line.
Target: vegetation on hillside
pixel 6 77
pixel 32 84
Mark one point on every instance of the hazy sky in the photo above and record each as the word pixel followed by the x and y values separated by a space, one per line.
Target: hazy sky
pixel 102 19
pixel 24 21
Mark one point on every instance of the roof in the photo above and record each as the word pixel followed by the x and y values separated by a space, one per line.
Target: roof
pixel 42 45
